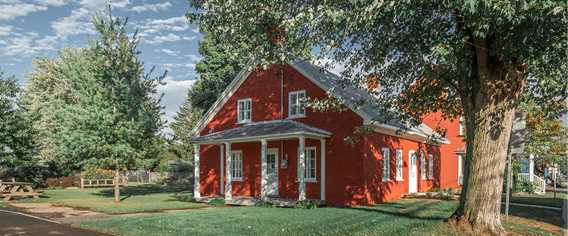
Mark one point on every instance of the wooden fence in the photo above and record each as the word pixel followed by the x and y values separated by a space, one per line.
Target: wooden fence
pixel 101 182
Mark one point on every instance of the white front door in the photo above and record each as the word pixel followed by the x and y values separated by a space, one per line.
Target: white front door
pixel 412 173
pixel 460 169
pixel 272 172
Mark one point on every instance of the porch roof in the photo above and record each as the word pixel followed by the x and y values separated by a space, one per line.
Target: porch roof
pixel 278 129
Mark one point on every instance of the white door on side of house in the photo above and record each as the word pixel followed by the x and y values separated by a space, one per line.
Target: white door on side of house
pixel 412 172
pixel 272 172
pixel 460 169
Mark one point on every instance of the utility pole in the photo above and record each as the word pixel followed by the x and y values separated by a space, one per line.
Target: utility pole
pixel 509 180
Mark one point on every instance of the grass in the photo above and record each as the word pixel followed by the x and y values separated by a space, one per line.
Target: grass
pixel 404 217
pixel 138 198
pixel 543 200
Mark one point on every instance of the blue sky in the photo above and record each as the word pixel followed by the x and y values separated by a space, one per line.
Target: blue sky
pixel 34 28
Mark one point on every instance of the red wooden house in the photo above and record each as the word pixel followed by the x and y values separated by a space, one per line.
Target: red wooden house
pixel 259 141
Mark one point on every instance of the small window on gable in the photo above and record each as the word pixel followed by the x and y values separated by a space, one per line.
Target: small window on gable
pixel 244 110
pixel 296 106
pixel 386 164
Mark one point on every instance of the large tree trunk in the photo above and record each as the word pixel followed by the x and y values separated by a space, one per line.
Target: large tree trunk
pixel 489 111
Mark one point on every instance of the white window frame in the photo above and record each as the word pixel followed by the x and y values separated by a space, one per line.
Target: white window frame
pixel 460 169
pixel 399 165
pixel 422 166
pixel 309 165
pixel 430 166
pixel 244 118
pixel 237 165
pixel 300 108
pixel 462 126
pixel 385 153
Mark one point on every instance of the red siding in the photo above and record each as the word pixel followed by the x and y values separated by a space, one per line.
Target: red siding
pixel 449 160
pixel 353 172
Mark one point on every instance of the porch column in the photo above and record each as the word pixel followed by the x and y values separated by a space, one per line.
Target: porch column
pixel 531 168
pixel 263 167
pixel 196 193
pixel 221 170
pixel 228 184
pixel 301 169
pixel 322 169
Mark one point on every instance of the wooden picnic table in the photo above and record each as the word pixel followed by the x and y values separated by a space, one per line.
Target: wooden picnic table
pixel 17 189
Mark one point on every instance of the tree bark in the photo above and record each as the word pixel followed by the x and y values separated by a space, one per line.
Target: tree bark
pixel 117 185
pixel 489 110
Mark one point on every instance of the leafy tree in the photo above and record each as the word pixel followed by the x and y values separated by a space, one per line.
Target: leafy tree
pixel 97 106
pixel 16 145
pixel 546 137
pixel 459 57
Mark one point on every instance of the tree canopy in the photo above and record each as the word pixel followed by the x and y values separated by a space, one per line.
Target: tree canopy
pixel 96 105
pixel 476 58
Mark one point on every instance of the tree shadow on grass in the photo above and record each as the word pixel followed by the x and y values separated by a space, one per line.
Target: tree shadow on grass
pixel 418 210
pixel 146 189
pixel 544 215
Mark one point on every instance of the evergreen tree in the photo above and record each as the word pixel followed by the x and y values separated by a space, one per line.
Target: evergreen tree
pixel 182 126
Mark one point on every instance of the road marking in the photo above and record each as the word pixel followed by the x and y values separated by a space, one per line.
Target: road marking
pixel 31 216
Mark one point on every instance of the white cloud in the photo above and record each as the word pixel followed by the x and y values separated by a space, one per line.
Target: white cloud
pixel 175 93
pixel 76 23
pixel 169 66
pixel 5 30
pixel 56 3
pixel 193 57
pixel 179 23
pixel 171 37
pixel 102 4
pixel 151 7
pixel 169 52
pixel 10 10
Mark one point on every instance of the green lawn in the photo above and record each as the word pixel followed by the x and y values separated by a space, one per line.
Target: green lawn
pixel 404 217
pixel 137 198
pixel 535 199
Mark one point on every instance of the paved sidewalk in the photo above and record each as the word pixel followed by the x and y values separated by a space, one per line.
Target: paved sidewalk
pixel 16 223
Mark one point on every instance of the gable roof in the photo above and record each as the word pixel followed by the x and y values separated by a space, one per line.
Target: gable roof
pixel 329 82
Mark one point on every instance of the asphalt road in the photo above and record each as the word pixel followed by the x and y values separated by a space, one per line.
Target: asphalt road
pixel 14 223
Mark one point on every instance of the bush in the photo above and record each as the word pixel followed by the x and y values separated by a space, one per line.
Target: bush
pixel 529 188
pixel 216 202
pixel 266 204
pixel 63 182
pixel 306 204
pixel 96 173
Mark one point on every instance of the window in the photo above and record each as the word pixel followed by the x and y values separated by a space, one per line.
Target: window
pixel 399 164
pixel 430 166
pixel 462 126
pixel 460 169
pixel 386 164
pixel 244 108
pixel 422 165
pixel 237 165
pixel 296 106
pixel 310 170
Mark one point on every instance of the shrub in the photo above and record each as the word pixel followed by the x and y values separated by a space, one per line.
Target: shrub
pixel 216 202
pixel 529 188
pixel 96 173
pixel 63 182
pixel 262 203
pixel 306 204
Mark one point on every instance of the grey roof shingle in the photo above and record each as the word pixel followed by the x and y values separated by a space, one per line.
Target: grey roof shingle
pixel 262 129
pixel 353 96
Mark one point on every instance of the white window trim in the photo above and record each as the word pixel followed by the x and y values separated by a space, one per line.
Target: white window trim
pixel 239 121
pixel 233 163
pixel 386 163
pixel 430 166
pixel 306 179
pixel 462 127
pixel 422 166
pixel 298 115
pixel 460 169
pixel 399 165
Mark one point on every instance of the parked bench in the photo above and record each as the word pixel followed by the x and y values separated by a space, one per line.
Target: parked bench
pixel 9 190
